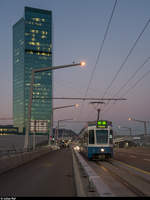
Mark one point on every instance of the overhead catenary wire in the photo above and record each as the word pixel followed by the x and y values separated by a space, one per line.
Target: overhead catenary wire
pixel 126 58
pixel 131 78
pixel 99 52
pixel 135 84
pixel 132 87
pixel 101 47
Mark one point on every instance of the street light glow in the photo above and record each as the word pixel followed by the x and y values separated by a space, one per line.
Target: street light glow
pixel 82 63
pixel 76 105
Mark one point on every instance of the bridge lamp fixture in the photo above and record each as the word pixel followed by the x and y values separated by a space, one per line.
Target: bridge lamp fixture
pixel 76 105
pixel 82 63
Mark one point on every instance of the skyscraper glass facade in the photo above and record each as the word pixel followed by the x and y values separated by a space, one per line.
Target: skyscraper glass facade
pixel 32 49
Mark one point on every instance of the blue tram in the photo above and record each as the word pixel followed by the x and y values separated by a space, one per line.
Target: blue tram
pixel 96 140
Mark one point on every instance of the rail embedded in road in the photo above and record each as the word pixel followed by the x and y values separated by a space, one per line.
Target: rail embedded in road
pixel 101 188
pixel 135 183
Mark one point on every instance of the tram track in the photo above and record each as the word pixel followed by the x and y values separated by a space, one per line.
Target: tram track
pixel 138 185
pixel 130 172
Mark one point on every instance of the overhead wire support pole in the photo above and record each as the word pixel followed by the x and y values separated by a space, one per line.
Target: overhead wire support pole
pixel 145 127
pixel 130 130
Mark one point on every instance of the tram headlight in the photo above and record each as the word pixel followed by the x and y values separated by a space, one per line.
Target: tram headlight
pixel 102 150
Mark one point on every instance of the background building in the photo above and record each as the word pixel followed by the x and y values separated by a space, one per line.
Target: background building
pixel 8 129
pixel 32 49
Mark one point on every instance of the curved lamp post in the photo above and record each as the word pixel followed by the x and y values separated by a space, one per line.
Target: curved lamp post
pixel 31 93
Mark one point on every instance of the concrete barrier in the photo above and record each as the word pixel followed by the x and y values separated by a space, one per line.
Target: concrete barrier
pixel 15 160
pixel 95 181
pixel 78 182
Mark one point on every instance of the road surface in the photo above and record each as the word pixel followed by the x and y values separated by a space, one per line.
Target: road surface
pixel 49 175
pixel 137 157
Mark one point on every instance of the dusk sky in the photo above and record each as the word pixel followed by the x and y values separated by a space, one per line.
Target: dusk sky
pixel 78 32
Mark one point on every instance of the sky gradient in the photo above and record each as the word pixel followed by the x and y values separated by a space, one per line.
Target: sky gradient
pixel 78 32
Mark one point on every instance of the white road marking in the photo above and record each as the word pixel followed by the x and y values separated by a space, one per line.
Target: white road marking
pixel 132 156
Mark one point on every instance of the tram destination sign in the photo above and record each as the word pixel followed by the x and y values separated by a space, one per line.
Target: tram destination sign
pixel 103 124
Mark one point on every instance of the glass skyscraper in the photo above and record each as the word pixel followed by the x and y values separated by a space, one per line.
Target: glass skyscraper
pixel 32 49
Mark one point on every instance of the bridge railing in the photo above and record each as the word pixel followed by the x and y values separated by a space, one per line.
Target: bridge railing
pixel 4 152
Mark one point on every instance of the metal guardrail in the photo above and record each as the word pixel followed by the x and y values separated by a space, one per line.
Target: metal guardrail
pixel 15 150
pixel 10 152
pixel 19 157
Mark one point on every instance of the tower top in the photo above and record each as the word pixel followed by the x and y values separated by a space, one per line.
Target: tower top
pixel 42 11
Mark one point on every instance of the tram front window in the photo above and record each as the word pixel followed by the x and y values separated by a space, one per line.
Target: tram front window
pixel 102 136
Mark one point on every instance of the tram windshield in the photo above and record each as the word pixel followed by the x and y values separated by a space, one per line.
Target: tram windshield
pixel 102 136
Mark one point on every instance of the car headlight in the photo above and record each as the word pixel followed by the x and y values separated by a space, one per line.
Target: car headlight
pixel 77 148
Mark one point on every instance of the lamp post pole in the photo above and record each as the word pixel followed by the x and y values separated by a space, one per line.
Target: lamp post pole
pixel 29 113
pixel 145 127
pixel 130 130
pixel 31 93
pixel 51 127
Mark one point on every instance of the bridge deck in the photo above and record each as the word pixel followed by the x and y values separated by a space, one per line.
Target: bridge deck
pixel 49 175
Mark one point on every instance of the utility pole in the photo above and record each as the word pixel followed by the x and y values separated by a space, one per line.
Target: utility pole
pixel 130 130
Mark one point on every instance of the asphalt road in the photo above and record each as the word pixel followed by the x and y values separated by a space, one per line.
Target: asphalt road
pixel 49 175
pixel 137 157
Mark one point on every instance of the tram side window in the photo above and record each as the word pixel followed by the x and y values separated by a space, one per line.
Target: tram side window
pixel 111 137
pixel 86 137
pixel 91 137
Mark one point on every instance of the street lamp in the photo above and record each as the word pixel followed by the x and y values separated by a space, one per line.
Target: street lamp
pixel 145 127
pixel 31 93
pixel 82 63
pixel 56 108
